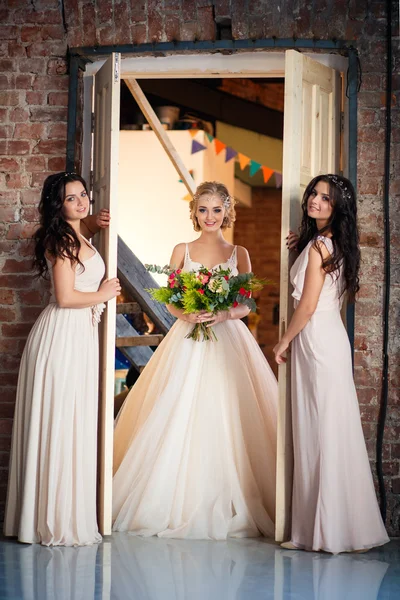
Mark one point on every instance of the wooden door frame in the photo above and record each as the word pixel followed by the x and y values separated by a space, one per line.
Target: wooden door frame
pixel 247 64
pixel 204 65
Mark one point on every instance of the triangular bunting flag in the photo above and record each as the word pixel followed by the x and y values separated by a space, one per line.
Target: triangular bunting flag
pixel 191 171
pixel 267 173
pixel 210 137
pixel 243 160
pixel 197 147
pixel 187 198
pixel 230 153
pixel 193 132
pixel 219 146
pixel 254 167
pixel 278 180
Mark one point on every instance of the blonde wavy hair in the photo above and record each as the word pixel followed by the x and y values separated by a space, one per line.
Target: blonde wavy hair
pixel 209 189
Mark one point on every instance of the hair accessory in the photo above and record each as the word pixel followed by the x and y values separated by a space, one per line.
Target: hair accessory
pixel 346 195
pixel 226 200
pixel 57 181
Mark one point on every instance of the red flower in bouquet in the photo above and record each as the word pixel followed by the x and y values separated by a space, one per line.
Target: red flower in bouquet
pixel 204 278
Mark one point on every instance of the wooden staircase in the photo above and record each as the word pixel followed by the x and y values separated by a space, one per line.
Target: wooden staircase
pixel 135 279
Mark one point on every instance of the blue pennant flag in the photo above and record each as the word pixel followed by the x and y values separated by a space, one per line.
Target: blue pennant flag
pixel 230 153
pixel 254 167
pixel 197 147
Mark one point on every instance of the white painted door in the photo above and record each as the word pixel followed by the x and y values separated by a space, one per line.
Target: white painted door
pixel 105 195
pixel 311 142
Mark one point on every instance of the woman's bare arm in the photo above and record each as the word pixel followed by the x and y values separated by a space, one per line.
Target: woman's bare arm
pixel 68 297
pixel 313 283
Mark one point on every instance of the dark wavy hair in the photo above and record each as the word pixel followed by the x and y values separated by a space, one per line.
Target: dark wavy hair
pixel 55 236
pixel 342 226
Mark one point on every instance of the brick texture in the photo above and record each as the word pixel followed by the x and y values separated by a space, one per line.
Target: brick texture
pixel 258 228
pixel 33 96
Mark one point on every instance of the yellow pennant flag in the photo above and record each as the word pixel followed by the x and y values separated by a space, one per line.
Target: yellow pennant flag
pixel 243 160
pixel 187 198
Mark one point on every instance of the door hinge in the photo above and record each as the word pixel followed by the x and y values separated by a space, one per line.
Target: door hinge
pixel 92 122
pixel 116 69
pixel 91 181
pixel 341 122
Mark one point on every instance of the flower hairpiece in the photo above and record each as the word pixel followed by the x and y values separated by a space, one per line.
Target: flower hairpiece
pixel 57 181
pixel 340 185
pixel 226 200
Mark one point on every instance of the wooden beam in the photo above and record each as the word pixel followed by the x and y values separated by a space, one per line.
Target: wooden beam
pixel 137 280
pixel 214 104
pixel 160 132
pixel 138 356
pixel 153 339
pixel 128 308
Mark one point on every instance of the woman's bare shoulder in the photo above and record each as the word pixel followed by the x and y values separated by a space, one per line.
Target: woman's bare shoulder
pixel 178 255
pixel 242 252
pixel 179 248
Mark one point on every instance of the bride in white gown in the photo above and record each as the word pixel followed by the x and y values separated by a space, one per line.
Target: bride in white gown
pixel 195 441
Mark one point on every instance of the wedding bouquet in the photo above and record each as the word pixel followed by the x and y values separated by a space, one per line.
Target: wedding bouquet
pixel 204 290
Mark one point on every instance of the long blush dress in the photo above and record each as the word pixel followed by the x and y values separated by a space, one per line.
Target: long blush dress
pixel 195 441
pixel 52 484
pixel 334 502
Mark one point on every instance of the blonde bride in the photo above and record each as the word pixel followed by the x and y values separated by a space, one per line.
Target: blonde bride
pixel 195 440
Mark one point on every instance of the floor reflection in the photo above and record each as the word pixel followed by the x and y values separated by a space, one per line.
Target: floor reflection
pixel 34 572
pixel 198 569
pixel 125 567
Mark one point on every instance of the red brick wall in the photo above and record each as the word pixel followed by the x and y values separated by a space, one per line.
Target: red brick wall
pixel 33 86
pixel 259 230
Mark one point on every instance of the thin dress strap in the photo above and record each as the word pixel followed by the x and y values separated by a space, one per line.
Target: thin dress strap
pixel 233 258
pixel 187 257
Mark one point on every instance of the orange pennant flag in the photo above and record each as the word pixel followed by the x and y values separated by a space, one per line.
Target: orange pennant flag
pixel 267 172
pixel 219 146
pixel 193 132
pixel 243 160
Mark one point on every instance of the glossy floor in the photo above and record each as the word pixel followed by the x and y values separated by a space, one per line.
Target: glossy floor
pixel 124 567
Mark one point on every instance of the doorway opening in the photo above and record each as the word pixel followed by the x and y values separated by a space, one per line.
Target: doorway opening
pixel 314 141
pixel 216 126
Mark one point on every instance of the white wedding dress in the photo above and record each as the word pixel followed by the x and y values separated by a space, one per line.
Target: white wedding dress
pixel 195 441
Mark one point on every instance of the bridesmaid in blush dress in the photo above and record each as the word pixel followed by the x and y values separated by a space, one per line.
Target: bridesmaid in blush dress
pixel 51 495
pixel 334 503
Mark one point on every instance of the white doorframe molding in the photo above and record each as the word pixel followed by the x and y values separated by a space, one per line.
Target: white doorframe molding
pixel 186 66
pixel 241 64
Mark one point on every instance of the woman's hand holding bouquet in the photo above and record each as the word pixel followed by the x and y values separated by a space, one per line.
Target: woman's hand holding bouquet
pixel 206 296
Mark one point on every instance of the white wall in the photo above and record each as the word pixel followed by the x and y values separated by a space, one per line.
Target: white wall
pixel 152 215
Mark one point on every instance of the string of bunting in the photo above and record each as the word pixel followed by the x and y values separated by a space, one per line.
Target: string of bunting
pixel 230 153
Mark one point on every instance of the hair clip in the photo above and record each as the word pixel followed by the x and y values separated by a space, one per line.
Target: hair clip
pixel 339 183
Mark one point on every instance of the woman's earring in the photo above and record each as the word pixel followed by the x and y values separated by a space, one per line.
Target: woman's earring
pixel 225 221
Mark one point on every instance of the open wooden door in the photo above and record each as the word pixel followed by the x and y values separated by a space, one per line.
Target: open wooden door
pixel 105 195
pixel 311 142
